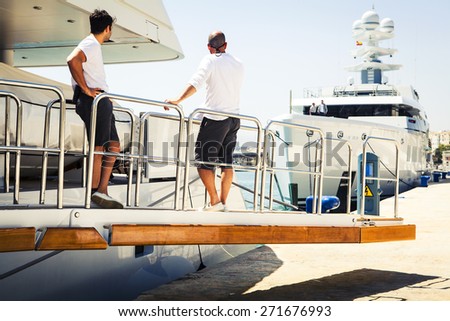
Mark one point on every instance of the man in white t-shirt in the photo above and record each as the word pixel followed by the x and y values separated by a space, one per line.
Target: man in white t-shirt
pixel 88 80
pixel 322 109
pixel 313 109
pixel 222 74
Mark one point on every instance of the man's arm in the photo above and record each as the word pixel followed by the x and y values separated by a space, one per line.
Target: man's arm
pixel 186 93
pixel 75 62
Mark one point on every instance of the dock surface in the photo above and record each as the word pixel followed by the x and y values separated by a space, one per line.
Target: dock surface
pixel 416 270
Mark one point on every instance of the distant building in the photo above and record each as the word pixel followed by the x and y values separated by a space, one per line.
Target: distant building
pixel 446 159
pixel 439 138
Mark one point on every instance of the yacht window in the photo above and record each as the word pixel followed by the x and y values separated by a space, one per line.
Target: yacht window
pixel 346 111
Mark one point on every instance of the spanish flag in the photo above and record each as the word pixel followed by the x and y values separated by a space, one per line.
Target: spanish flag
pixel 359 43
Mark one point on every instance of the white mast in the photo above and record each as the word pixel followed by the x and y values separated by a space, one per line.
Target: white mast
pixel 368 32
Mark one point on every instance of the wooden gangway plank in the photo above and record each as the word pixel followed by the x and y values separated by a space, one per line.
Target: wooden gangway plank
pixel 17 239
pixel 121 234
pixel 388 233
pixel 70 238
pixel 88 238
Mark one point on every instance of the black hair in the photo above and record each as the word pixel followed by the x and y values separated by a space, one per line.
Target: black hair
pixel 99 20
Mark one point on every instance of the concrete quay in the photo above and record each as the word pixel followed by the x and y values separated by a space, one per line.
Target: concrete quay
pixel 417 270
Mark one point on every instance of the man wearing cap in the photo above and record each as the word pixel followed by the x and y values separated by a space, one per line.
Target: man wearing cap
pixel 222 74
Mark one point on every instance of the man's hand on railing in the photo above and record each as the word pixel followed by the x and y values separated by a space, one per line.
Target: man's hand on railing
pixel 170 101
pixel 187 92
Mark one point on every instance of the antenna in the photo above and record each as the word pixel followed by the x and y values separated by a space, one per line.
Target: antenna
pixel 368 31
pixel 290 101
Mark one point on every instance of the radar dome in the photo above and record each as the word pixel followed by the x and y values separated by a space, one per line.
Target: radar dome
pixel 387 25
pixel 357 26
pixel 370 20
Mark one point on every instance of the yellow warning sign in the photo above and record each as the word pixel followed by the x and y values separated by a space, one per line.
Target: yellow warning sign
pixel 368 192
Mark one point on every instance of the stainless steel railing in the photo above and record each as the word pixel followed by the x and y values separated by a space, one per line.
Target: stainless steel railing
pixel 348 178
pixel 317 173
pixel 264 150
pixel 364 178
pixel 18 148
pixel 132 155
pixel 8 148
pixel 177 161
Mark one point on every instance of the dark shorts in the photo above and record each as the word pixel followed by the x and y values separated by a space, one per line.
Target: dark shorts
pixel 216 141
pixel 106 122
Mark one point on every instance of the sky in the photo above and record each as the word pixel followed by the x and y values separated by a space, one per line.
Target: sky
pixel 290 45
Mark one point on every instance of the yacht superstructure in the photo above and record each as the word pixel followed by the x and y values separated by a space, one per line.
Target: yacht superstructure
pixel 356 111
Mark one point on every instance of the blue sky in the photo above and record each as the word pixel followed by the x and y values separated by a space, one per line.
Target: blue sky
pixel 295 44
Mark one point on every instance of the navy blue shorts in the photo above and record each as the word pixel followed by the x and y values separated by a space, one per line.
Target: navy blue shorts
pixel 216 141
pixel 106 122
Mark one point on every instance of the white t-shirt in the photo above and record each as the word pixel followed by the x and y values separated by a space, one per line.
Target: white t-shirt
pixel 323 108
pixel 223 75
pixel 93 68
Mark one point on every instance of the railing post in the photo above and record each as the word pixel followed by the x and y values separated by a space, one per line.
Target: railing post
pixel 7 142
pixel 318 175
pixel 62 120
pixel 397 173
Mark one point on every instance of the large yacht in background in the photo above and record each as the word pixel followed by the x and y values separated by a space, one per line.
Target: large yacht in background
pixel 356 111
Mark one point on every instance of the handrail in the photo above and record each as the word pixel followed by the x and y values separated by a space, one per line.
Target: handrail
pixel 397 172
pixel 262 166
pixel 217 113
pixel 143 119
pixel 131 155
pixel 45 145
pixel 62 123
pixel 349 171
pixel 85 153
pixel 131 166
pixel 7 146
pixel 270 197
pixel 318 181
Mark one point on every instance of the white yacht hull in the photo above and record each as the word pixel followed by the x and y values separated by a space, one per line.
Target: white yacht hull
pixel 143 33
pixel 301 153
pixel 114 273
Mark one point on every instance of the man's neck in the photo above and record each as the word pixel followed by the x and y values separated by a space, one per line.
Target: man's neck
pixel 99 38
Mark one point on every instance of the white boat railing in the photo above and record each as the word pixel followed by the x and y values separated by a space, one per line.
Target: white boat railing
pixel 349 177
pixel 364 178
pixel 8 96
pixel 364 90
pixel 132 155
pixel 177 160
pixel 317 173
pixel 263 165
pixel 19 123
